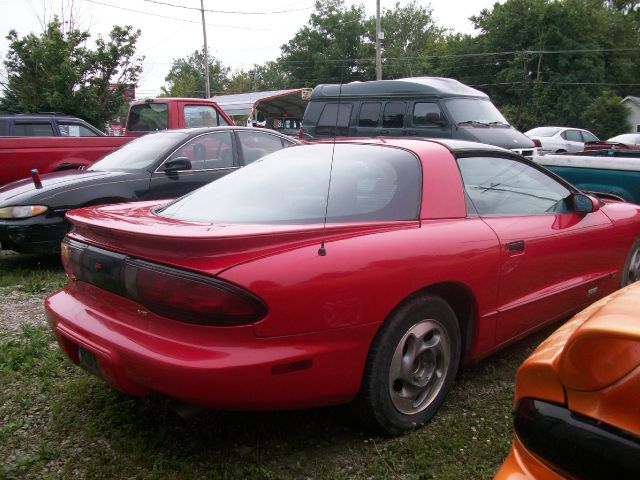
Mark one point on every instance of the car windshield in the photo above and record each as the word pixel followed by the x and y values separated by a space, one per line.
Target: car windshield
pixel 141 153
pixel 470 110
pixel 542 132
pixel 368 183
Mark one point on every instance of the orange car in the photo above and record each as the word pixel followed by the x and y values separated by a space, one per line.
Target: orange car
pixel 577 401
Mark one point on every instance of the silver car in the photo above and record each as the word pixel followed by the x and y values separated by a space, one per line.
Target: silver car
pixel 561 139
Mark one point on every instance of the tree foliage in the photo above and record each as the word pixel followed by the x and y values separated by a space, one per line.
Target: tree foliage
pixel 606 116
pixel 186 77
pixel 331 48
pixel 542 61
pixel 56 71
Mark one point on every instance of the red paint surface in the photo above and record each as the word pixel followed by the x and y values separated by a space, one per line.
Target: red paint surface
pixel 324 311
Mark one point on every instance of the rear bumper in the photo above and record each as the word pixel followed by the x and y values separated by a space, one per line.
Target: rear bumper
pixel 221 367
pixel 35 235
pixel 575 445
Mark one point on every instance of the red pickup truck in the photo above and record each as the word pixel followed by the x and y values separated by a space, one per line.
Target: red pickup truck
pixel 19 155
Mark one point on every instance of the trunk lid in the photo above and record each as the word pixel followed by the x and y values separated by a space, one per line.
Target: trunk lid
pixel 132 229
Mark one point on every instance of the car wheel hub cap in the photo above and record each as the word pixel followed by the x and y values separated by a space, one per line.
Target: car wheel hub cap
pixel 418 367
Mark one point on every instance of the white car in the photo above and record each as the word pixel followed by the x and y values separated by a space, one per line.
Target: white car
pixel 626 138
pixel 561 139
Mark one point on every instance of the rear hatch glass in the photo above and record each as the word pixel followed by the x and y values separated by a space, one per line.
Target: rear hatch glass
pixel 148 117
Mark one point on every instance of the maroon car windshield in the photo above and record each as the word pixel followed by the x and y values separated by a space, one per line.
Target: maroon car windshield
pixel 368 183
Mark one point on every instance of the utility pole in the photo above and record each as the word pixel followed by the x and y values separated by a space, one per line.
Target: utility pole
pixel 379 35
pixel 206 56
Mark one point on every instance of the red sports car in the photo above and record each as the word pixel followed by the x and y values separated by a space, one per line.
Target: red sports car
pixel 363 271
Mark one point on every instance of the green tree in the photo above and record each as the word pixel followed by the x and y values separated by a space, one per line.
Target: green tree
pixel 186 77
pixel 543 61
pixel 606 116
pixel 410 35
pixel 330 48
pixel 268 76
pixel 55 71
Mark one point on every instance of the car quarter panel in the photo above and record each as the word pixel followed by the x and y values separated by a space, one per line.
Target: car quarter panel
pixel 362 279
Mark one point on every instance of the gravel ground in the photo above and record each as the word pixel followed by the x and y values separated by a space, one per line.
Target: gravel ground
pixel 18 308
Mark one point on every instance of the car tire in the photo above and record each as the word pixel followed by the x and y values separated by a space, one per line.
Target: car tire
pixel 561 151
pixel 411 366
pixel 631 271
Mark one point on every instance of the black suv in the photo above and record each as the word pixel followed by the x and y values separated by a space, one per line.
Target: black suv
pixel 46 125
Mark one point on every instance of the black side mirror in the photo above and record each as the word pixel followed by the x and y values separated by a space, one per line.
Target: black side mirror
pixel 175 164
pixel 435 118
pixel 585 203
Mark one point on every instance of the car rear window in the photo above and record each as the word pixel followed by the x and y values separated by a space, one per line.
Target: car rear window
pixel 368 183
pixel 148 117
pixel 543 131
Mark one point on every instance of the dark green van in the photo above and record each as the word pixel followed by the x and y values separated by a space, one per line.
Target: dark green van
pixel 420 107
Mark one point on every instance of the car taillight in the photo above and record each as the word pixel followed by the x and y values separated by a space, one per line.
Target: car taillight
pixel 537 143
pixel 70 254
pixel 167 291
pixel 189 297
pixel 301 133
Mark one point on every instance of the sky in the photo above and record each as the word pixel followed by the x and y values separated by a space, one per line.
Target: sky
pixel 239 34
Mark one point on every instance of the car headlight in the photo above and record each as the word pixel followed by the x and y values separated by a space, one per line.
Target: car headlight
pixel 23 211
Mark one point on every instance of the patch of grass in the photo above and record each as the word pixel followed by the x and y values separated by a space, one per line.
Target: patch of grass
pixel 56 421
pixel 26 351
pixel 31 273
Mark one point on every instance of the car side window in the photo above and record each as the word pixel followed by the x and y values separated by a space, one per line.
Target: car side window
pixel 334 119
pixel 33 129
pixel 393 116
pixel 589 137
pixel 208 151
pixel 71 129
pixel 426 114
pixel 503 186
pixel 572 136
pixel 257 144
pixel 202 116
pixel 369 114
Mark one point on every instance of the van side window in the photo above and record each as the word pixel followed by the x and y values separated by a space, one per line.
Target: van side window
pixel 393 116
pixel 426 114
pixel 33 129
pixel 369 114
pixel 334 119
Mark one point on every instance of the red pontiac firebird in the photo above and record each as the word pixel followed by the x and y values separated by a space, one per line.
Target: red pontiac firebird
pixel 363 271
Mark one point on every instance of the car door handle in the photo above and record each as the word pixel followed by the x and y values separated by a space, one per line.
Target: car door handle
pixel 384 132
pixel 412 132
pixel 516 247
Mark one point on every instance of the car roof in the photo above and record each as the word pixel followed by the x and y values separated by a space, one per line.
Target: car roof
pixel 199 130
pixel 436 87
pixel 27 116
pixel 454 146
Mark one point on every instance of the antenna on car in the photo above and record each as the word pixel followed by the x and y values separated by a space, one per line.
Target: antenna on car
pixel 322 251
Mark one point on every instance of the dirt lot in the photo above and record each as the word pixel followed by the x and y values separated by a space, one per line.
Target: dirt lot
pixel 56 421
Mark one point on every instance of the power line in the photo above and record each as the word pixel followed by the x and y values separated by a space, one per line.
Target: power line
pixel 228 11
pixel 174 18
